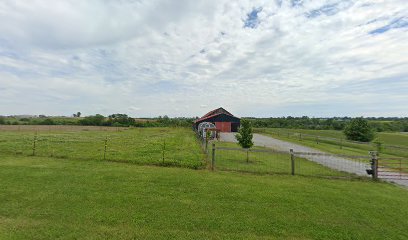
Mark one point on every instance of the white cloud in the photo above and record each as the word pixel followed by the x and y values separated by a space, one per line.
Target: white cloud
pixel 186 57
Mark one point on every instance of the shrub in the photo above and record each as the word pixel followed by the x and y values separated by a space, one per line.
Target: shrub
pixel 359 130
pixel 96 120
pixel 47 121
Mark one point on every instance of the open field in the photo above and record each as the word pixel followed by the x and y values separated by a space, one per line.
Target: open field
pixel 338 146
pixel 158 146
pixel 46 198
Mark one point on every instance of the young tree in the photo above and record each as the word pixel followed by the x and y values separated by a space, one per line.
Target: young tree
pixel 359 130
pixel 244 135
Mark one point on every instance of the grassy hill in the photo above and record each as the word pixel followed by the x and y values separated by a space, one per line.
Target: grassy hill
pixel 44 198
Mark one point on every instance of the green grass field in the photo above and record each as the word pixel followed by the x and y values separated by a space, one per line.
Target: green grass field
pixel 136 145
pixel 269 162
pixel 48 198
pixel 66 191
pixel 333 146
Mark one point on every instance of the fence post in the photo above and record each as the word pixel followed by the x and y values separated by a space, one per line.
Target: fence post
pixel 34 143
pixel 213 157
pixel 106 145
pixel 292 160
pixel 164 149
pixel 206 145
pixel 374 165
pixel 300 136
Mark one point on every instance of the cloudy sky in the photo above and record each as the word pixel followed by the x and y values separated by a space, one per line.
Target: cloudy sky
pixel 186 57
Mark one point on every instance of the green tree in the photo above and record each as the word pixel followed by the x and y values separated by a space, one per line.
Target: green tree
pixel 96 120
pixel 359 130
pixel 244 135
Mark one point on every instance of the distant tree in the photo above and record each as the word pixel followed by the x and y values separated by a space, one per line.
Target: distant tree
pixel 244 135
pixel 358 129
pixel 78 114
pixel 96 120
pixel 47 121
pixel 2 121
pixel 120 120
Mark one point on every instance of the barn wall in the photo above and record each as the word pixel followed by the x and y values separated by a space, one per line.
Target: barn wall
pixel 223 122
pixel 223 126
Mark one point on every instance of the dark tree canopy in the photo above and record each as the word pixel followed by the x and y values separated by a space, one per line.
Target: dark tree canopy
pixel 358 129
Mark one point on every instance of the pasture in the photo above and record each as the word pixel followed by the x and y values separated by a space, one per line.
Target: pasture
pixel 67 190
pixel 48 198
pixel 332 141
pixel 157 146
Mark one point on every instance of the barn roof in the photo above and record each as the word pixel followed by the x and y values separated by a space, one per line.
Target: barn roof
pixel 214 113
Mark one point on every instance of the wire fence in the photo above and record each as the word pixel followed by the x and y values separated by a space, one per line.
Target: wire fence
pixel 159 149
pixel 269 161
pixel 343 142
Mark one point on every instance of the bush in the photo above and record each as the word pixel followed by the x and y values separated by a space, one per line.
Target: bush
pixel 96 120
pixel 2 121
pixel 359 130
pixel 47 121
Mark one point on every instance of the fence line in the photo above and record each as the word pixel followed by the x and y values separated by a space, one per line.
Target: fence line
pixel 315 164
pixel 108 148
pixel 340 141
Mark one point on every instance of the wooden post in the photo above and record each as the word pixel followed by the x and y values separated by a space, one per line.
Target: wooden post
pixel 106 145
pixel 206 144
pixel 374 165
pixel 164 149
pixel 300 136
pixel 292 160
pixel 34 143
pixel 213 157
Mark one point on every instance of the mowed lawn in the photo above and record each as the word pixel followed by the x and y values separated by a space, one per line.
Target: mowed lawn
pixel 157 146
pixel 48 198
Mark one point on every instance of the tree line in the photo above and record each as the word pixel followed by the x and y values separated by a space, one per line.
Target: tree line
pixel 122 120
pixel 115 120
pixel 336 123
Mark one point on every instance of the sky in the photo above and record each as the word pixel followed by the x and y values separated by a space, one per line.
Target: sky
pixel 187 57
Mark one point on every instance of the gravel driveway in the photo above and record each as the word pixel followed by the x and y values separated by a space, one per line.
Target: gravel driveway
pixel 337 163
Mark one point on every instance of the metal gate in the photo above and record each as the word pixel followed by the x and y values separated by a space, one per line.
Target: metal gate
pixel 392 168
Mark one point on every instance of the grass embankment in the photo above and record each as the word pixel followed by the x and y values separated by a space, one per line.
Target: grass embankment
pixel 47 198
pixel 159 146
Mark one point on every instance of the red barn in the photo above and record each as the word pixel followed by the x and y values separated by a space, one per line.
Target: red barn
pixel 224 121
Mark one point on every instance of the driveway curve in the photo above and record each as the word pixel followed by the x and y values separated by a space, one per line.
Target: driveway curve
pixel 333 162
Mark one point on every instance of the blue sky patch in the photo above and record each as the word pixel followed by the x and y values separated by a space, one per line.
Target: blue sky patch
pixel 397 23
pixel 297 3
pixel 252 20
pixel 329 10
